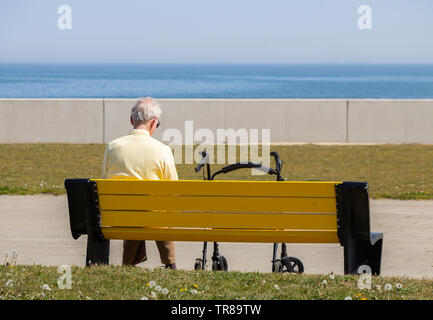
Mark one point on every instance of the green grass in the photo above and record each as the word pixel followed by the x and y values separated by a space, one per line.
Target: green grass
pixel 114 282
pixel 392 171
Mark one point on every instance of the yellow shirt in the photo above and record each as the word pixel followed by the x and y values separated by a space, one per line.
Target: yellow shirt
pixel 138 156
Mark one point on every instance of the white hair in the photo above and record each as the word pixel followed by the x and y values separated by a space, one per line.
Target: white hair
pixel 145 109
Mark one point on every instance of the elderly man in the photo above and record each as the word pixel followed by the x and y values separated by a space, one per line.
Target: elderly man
pixel 139 156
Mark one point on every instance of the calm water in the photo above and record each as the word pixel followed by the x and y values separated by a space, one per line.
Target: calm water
pixel 215 81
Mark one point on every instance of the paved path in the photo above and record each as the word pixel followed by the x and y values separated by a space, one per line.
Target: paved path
pixel 38 227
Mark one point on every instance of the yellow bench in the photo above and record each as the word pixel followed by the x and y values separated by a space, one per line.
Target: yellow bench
pixel 224 211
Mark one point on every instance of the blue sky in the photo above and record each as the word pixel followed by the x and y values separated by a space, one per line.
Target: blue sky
pixel 220 31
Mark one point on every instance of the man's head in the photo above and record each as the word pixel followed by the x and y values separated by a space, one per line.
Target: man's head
pixel 145 114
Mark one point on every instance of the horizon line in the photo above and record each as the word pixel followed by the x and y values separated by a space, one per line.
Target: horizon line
pixel 218 63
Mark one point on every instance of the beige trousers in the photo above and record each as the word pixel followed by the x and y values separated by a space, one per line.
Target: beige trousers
pixel 134 252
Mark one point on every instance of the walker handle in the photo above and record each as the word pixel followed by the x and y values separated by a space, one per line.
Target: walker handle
pixel 202 161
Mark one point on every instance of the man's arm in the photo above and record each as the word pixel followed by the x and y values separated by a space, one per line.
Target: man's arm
pixel 170 172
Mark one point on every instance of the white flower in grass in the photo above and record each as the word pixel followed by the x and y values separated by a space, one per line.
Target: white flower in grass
pixel 164 291
pixel 88 298
pixel 9 283
pixel 348 298
pixel 331 276
pixel 399 286
pixel 276 286
pixel 46 287
pixel 152 284
pixel 193 291
pixel 388 287
pixel 324 282
pixel 14 252
pixel 144 298
pixel 153 295
pixel 378 287
pixel 158 288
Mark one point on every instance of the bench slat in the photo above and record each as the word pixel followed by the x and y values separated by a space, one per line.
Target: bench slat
pixel 219 187
pixel 221 235
pixel 219 220
pixel 223 203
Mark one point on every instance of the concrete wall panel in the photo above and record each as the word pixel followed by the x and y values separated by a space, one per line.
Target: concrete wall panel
pixel 288 120
pixel 390 121
pixel 116 118
pixel 292 120
pixel 419 122
pixel 51 120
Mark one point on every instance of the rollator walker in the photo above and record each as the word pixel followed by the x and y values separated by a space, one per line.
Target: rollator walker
pixel 219 262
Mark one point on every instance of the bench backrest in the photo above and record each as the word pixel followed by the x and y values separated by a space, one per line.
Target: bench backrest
pixel 231 211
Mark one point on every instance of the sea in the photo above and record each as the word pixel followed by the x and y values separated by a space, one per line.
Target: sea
pixel 232 81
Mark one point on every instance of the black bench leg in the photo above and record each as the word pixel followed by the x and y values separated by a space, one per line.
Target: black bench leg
pixel 363 252
pixel 98 251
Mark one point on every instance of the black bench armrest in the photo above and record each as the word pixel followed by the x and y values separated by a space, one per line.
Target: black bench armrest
pixel 361 246
pixel 83 207
pixel 84 218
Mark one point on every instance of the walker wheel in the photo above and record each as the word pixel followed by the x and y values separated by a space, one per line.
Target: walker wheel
pixel 220 264
pixel 292 265
pixel 277 267
pixel 198 264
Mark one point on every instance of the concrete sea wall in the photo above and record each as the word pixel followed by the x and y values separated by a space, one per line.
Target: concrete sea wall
pixel 289 120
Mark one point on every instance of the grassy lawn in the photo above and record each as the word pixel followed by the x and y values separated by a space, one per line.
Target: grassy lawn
pixel 392 171
pixel 114 282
